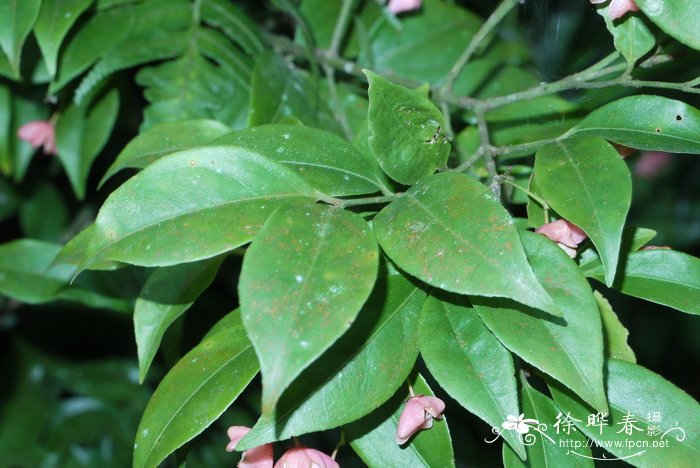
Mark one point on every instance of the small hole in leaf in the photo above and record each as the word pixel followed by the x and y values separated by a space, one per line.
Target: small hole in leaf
pixel 658 130
pixel 679 117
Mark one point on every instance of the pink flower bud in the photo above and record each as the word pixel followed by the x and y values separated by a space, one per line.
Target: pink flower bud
pixel 400 6
pixel 567 235
pixel 418 414
pixel 39 133
pixel 258 457
pixel 302 457
pixel 618 8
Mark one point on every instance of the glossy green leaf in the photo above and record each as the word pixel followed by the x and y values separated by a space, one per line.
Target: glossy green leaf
pixel 94 39
pixel 640 402
pixel 451 232
pixel 235 23
pixel 192 205
pixel 16 20
pixel 662 276
pixel 469 363
pixel 631 34
pixel 194 394
pixel 73 253
pixel 164 139
pixel 588 184
pixel 614 332
pixel 570 349
pixel 55 19
pixel 326 161
pixel 372 359
pixel 81 133
pixel 546 449
pixel 407 131
pixel 373 438
pixel 303 281
pixel 409 48
pixel 167 294
pixel 645 122
pixel 678 19
pixel 26 273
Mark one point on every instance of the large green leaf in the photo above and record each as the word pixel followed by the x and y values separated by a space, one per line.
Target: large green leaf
pixel 325 160
pixel 469 362
pixel 55 19
pixel 587 183
pixel 551 449
pixel 94 39
pixel 73 253
pixel 409 48
pixel 407 131
pixel 194 394
pixel 662 276
pixel 6 153
pixel 373 437
pixel 451 232
pixel 16 20
pixel 167 294
pixel 569 349
pixel 371 360
pixel 645 122
pixel 81 132
pixel 649 404
pixel 163 139
pixel 679 19
pixel 614 332
pixel 633 239
pixel 303 281
pixel 192 205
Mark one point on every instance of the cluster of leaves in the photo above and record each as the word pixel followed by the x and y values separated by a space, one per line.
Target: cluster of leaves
pixel 377 223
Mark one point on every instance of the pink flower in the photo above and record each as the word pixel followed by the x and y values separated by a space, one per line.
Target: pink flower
pixel 567 235
pixel 39 133
pixel 258 457
pixel 400 6
pixel 302 457
pixel 651 163
pixel 618 8
pixel 418 414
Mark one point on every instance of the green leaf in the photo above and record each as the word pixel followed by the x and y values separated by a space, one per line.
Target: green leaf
pixel 633 239
pixel 55 19
pixel 587 183
pixel 16 20
pixel 194 394
pixel 163 139
pixel 73 253
pixel 554 450
pixel 234 23
pixel 167 294
pixel 662 276
pixel 372 359
pixel 26 273
pixel 192 205
pixel 81 133
pixel 409 49
pixel 637 395
pixel 93 40
pixel 6 153
pixel 614 332
pixel 24 110
pixel 279 91
pixel 373 438
pixel 303 281
pixel 631 34
pixel 568 349
pixel 324 160
pixel 469 362
pixel 645 122
pixel 407 131
pixel 451 232
pixel 678 19
pixel 44 214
